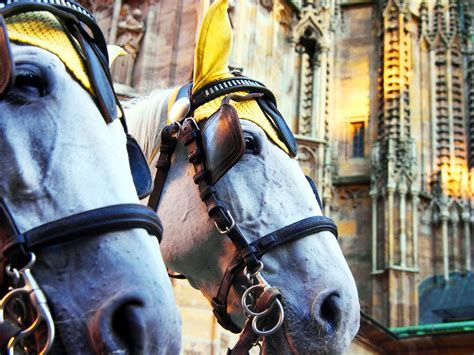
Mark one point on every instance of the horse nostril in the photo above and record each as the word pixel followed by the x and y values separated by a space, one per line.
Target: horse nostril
pixel 330 313
pixel 128 325
pixel 121 325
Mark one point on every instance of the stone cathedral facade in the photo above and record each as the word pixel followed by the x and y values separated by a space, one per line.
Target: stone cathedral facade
pixel 380 95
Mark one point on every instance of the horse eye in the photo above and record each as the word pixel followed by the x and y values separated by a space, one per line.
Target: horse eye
pixel 30 84
pixel 251 145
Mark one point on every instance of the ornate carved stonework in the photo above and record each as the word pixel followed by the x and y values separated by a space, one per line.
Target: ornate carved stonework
pixel 96 6
pixel 312 38
pixel 284 14
pixel 267 4
pixel 131 29
pixel 354 195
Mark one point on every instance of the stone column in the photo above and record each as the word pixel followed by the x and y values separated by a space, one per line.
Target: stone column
pixel 466 218
pixel 444 216
pixel 415 200
pixel 322 88
pixel 403 236
pixel 115 18
pixel 390 229
pixel 373 196
pixel 433 110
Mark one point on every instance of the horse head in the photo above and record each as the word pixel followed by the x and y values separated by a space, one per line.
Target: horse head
pixel 241 220
pixel 75 241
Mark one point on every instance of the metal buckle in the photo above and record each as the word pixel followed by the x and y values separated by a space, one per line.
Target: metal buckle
pixel 229 228
pixel 255 274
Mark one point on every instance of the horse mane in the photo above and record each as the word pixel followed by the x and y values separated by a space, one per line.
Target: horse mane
pixel 146 116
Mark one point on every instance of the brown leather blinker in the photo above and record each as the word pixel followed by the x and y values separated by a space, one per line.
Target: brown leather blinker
pixel 222 141
pixel 7 65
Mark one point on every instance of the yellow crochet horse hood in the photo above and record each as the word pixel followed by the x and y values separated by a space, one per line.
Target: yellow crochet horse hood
pixel 211 64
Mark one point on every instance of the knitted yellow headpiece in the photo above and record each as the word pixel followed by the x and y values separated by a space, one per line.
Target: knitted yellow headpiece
pixel 211 63
pixel 42 29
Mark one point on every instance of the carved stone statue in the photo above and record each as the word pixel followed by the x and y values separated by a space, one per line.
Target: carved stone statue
pixel 131 29
pixel 267 4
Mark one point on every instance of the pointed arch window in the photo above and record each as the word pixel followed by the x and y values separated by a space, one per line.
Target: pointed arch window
pixel 357 130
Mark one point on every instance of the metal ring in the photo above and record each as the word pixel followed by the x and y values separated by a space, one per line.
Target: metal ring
pixel 227 229
pixel 277 325
pixel 245 306
pixel 249 275
pixel 30 263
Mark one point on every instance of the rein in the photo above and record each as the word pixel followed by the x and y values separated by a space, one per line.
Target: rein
pixel 260 300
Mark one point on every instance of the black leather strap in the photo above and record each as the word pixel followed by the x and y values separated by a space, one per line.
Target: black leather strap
pixel 294 231
pixel 315 191
pixel 167 148
pixel 284 132
pixel 85 224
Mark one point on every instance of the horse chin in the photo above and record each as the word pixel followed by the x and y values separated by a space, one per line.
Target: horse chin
pixel 279 343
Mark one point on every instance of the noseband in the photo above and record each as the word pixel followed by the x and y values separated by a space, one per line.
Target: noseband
pixel 260 300
pixel 18 247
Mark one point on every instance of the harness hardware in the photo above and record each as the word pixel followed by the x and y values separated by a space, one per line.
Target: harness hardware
pixel 226 229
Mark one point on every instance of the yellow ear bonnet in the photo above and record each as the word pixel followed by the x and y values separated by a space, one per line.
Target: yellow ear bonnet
pixel 211 64
pixel 213 48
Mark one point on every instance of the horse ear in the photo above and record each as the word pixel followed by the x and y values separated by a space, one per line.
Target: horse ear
pixel 115 52
pixel 213 47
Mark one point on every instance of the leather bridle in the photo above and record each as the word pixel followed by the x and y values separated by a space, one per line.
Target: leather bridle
pixel 19 247
pixel 247 258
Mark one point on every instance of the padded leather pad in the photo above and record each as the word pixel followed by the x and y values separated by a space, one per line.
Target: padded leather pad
pixel 222 141
pixel 139 167
pixel 7 65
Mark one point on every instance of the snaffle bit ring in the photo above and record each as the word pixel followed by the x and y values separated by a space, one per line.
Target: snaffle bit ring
pixel 281 318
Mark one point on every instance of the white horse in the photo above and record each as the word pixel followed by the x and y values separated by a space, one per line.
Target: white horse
pixel 264 191
pixel 108 293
